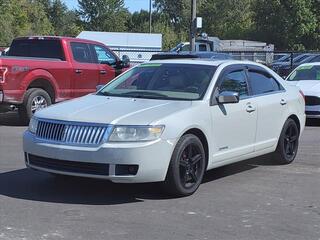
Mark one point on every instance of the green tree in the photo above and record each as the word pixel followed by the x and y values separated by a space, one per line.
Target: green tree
pixel 227 19
pixel 64 21
pixel 22 18
pixel 286 23
pixel 103 15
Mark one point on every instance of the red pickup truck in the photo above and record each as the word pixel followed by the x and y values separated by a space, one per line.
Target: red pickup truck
pixel 39 71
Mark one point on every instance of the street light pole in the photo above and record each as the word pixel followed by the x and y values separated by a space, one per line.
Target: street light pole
pixel 193 25
pixel 150 16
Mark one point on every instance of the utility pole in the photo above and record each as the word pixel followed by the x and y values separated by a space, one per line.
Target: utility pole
pixel 150 16
pixel 193 30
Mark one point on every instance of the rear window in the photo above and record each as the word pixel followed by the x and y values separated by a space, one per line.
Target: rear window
pixel 48 48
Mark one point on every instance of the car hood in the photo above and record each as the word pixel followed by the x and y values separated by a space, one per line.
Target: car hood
pixel 308 87
pixel 113 110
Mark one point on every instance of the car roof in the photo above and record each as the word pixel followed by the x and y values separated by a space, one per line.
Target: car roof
pixel 208 62
pixel 191 55
pixel 310 64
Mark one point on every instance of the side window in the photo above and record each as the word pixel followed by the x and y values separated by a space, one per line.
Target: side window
pixel 202 48
pixel 236 82
pixel 104 56
pixel 262 83
pixel 81 52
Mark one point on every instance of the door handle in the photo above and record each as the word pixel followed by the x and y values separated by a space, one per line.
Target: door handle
pixel 250 109
pixel 78 71
pixel 283 102
pixel 102 72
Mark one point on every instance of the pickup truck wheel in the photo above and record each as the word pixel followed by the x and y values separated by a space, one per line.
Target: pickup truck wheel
pixel 34 100
pixel 187 167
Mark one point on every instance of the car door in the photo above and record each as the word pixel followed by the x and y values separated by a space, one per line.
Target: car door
pixel 234 125
pixel 271 101
pixel 85 71
pixel 107 63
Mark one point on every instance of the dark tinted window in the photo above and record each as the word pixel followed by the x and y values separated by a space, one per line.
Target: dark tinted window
pixel 81 52
pixel 36 48
pixel 262 83
pixel 235 82
pixel 202 47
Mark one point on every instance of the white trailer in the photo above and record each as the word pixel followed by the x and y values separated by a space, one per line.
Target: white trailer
pixel 138 46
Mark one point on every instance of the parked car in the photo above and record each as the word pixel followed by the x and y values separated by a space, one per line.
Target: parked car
pixel 169 121
pixel 191 55
pixel 39 71
pixel 307 78
pixel 284 68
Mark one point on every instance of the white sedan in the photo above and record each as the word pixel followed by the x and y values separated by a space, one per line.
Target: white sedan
pixel 169 121
pixel 307 78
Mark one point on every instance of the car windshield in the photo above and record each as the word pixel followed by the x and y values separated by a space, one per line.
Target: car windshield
pixel 162 81
pixel 305 73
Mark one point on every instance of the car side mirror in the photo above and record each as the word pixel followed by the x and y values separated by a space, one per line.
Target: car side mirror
pixel 99 87
pixel 125 61
pixel 228 97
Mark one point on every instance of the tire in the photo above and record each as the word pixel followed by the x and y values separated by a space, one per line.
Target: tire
pixel 34 99
pixel 186 168
pixel 288 143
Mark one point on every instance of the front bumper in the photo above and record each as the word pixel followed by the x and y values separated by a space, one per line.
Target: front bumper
pixel 313 111
pixel 151 159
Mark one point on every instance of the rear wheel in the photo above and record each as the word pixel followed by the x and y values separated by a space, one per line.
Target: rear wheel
pixel 34 100
pixel 187 167
pixel 288 143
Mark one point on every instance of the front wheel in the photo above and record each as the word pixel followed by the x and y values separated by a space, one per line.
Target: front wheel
pixel 288 143
pixel 187 166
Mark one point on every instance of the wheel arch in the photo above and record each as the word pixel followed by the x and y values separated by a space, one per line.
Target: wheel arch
pixel 296 120
pixel 200 134
pixel 45 85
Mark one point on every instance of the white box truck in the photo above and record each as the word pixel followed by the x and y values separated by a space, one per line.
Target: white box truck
pixel 138 46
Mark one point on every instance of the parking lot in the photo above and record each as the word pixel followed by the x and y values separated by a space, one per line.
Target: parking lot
pixel 254 199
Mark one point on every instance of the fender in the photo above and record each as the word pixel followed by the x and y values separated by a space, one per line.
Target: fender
pixel 39 74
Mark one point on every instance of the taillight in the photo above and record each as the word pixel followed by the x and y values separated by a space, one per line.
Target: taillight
pixel 3 72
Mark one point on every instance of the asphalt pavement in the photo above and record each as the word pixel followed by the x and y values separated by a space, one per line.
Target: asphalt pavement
pixel 253 199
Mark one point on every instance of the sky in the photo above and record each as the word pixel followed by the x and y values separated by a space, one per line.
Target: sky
pixel 132 5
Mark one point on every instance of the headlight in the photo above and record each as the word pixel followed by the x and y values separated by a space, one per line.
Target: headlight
pixel 135 133
pixel 33 125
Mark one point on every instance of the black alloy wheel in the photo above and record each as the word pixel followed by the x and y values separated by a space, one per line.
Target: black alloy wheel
pixel 291 141
pixel 190 165
pixel 288 143
pixel 187 166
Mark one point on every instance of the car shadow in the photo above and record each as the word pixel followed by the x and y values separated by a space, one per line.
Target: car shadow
pixel 11 119
pixel 39 186
pixel 238 167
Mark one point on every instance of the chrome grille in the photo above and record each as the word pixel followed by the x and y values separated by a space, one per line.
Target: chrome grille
pixel 71 133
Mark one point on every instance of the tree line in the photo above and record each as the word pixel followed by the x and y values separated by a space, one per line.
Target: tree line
pixel 289 24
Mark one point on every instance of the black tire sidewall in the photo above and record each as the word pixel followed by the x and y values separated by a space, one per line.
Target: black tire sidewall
pixel 173 176
pixel 25 109
pixel 281 154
